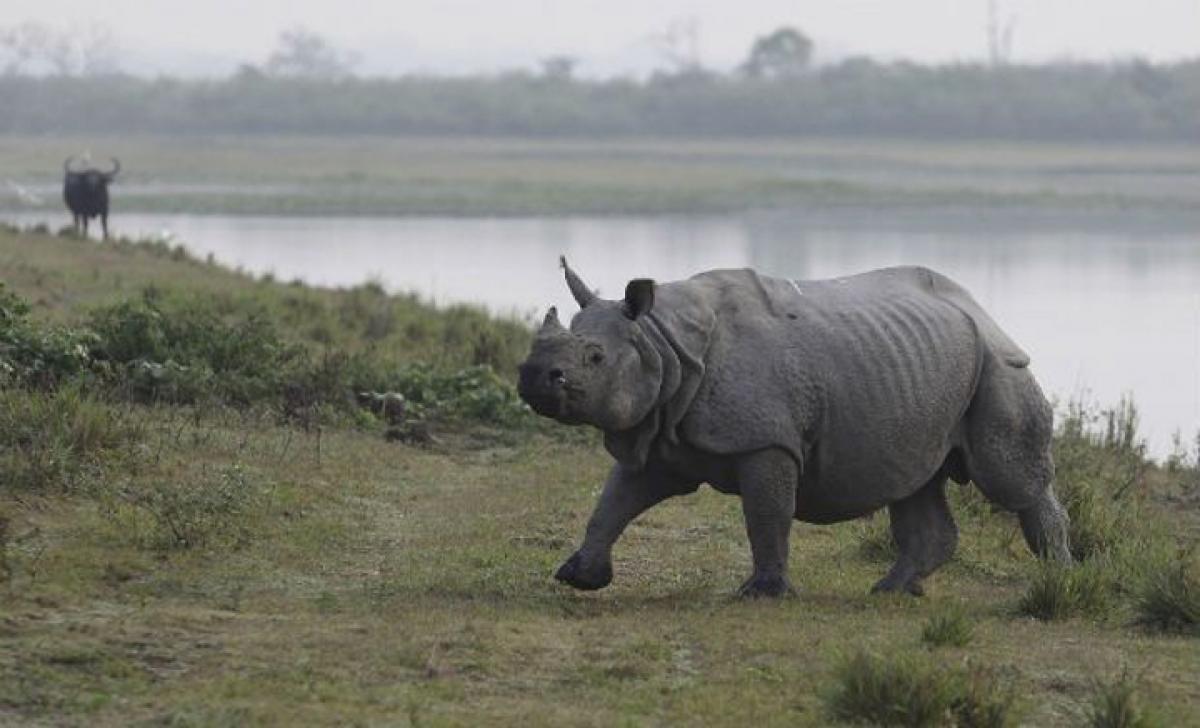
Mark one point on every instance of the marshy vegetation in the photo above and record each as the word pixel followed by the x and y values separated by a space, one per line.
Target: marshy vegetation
pixel 311 176
pixel 201 524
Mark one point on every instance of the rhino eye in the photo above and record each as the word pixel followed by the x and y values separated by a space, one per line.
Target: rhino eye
pixel 596 358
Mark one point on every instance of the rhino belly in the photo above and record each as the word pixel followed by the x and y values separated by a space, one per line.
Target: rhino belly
pixel 901 376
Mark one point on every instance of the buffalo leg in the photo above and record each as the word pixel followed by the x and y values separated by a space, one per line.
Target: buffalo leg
pixel 104 224
pixel 626 494
pixel 767 481
pixel 925 536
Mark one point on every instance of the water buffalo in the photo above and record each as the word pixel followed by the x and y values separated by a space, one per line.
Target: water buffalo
pixel 86 193
pixel 816 400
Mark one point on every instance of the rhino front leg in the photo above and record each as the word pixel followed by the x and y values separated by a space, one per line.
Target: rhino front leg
pixel 767 481
pixel 626 494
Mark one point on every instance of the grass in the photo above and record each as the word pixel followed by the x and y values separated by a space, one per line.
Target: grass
pixel 1061 592
pixel 911 690
pixel 437 176
pixel 66 280
pixel 57 441
pixel 1117 705
pixel 949 628
pixel 1169 597
pixel 213 564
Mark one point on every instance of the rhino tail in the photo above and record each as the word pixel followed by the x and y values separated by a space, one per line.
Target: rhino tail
pixel 993 336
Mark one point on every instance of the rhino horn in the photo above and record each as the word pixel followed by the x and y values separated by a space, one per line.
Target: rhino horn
pixel 583 295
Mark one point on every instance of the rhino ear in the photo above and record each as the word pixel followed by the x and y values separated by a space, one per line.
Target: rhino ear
pixel 551 323
pixel 639 298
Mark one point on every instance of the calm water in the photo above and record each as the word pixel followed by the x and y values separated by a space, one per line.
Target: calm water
pixel 1106 304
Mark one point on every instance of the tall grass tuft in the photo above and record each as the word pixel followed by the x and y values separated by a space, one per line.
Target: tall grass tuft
pixel 911 690
pixel 1061 592
pixel 984 700
pixel 1115 705
pixel 899 691
pixel 948 628
pixel 1168 599
pixel 1100 470
pixel 51 440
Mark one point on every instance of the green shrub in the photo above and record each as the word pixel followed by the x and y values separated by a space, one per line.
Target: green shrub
pixel 912 690
pixel 1100 473
pixel 473 393
pixel 38 357
pixel 1115 705
pixel 950 627
pixel 187 513
pixel 186 352
pixel 1169 596
pixel 1062 591
pixel 183 351
pixel 50 440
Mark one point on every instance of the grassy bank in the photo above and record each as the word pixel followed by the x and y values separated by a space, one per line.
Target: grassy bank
pixel 438 176
pixel 210 562
pixel 64 279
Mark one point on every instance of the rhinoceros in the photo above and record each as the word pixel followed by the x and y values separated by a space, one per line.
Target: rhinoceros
pixel 814 400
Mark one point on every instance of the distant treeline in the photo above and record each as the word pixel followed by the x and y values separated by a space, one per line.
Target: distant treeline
pixel 1134 100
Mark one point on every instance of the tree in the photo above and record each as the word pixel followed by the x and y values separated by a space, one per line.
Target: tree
pixel 999 35
pixel 679 45
pixel 785 53
pixel 302 53
pixel 559 68
pixel 79 51
pixel 21 45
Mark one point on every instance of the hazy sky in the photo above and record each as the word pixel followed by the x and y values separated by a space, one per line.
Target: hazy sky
pixel 612 36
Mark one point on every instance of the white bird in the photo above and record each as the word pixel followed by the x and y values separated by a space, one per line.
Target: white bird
pixel 24 194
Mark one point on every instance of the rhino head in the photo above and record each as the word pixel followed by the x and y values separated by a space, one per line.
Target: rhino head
pixel 603 370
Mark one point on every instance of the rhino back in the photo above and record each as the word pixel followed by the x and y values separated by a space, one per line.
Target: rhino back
pixel 864 379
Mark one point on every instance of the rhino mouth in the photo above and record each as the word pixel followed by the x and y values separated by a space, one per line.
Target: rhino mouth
pixel 546 405
pixel 555 405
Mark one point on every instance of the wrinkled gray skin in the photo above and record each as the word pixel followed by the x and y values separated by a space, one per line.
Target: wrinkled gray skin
pixel 820 401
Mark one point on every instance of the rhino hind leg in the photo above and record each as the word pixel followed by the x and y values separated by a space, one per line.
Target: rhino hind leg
pixel 1010 429
pixel 925 537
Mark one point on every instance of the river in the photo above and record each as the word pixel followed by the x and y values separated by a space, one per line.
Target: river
pixel 1106 303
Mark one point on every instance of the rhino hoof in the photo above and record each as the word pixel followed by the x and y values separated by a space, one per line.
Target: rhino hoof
pixel 773 586
pixel 573 573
